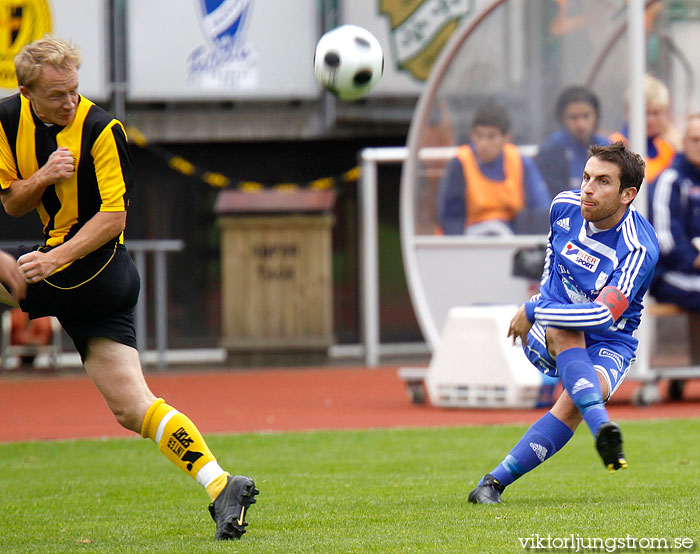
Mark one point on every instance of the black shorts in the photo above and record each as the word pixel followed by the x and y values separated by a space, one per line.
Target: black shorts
pixel 93 297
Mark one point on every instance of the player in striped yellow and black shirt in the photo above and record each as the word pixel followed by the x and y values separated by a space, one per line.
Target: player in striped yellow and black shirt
pixel 67 158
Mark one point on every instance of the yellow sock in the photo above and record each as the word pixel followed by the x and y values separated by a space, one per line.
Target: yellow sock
pixel 182 443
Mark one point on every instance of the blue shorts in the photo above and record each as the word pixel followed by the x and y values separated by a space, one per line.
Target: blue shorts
pixel 607 359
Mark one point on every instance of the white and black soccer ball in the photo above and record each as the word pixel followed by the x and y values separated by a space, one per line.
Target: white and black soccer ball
pixel 348 62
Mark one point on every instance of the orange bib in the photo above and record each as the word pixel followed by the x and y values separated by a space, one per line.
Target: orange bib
pixel 488 199
pixel 664 156
pixel 654 166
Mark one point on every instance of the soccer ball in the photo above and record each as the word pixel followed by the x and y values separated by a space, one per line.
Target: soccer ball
pixel 348 62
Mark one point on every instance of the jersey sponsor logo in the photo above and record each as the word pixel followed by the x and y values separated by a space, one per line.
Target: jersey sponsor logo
pixel 574 293
pixel 581 384
pixel 23 21
pixel 614 356
pixel 601 280
pixel 564 223
pixel 579 257
pixel 539 450
pixel 179 443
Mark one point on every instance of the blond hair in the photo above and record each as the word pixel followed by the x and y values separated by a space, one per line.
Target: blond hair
pixel 56 52
pixel 656 92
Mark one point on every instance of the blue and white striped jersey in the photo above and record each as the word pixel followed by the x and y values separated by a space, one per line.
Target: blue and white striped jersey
pixel 581 261
pixel 674 211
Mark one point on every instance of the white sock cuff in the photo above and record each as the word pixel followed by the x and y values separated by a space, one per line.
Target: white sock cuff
pixel 209 472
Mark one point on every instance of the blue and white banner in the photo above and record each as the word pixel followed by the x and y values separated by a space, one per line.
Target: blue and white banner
pixel 221 49
pixel 227 60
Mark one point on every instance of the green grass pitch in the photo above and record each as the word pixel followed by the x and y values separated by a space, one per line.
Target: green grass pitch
pixel 378 491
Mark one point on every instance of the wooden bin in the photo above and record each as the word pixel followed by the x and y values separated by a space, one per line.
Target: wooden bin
pixel 276 270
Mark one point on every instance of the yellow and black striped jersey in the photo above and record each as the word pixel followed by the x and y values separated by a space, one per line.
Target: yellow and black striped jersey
pixel 98 143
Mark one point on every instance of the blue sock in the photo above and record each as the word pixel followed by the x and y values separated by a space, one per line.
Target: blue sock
pixel 545 437
pixel 581 382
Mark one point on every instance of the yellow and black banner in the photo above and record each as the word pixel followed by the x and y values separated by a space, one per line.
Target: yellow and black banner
pixel 185 167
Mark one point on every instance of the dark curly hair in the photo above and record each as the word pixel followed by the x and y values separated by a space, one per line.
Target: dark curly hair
pixel 630 163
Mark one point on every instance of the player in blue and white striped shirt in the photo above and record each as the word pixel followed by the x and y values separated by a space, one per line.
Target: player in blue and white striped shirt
pixel 601 254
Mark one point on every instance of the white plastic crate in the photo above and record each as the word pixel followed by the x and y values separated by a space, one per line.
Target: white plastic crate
pixel 477 366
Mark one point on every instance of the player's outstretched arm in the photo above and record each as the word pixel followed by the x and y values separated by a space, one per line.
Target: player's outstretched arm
pixel 519 326
pixel 598 315
pixel 613 299
pixel 99 229
pixel 11 276
pixel 24 195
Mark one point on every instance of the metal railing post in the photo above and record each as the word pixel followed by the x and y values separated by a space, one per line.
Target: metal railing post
pixel 140 312
pixel 161 292
pixel 369 276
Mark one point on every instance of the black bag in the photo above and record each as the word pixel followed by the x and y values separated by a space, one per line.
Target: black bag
pixel 529 262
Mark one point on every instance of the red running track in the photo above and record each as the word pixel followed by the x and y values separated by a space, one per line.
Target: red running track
pixel 68 406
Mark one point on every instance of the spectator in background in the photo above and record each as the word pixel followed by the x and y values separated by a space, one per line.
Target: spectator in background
pixel 674 211
pixel 563 154
pixel 489 188
pixel 663 140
